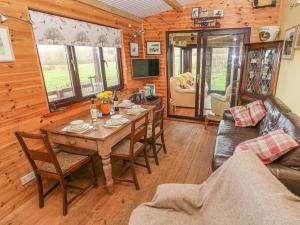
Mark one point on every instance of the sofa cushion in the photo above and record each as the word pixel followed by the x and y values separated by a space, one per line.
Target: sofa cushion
pixel 241 116
pixel 228 127
pixel 225 143
pixel 270 146
pixel 257 111
pixel 275 107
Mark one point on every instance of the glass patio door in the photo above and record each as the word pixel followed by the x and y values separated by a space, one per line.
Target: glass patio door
pixel 213 58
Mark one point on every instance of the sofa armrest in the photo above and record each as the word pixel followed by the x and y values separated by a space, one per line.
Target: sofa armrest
pixel 227 115
pixel 188 90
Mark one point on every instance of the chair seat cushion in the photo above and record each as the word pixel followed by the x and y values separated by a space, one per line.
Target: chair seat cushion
pixel 123 147
pixel 67 161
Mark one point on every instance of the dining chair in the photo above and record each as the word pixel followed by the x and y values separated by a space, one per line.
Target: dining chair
pixel 130 148
pixel 57 165
pixel 155 131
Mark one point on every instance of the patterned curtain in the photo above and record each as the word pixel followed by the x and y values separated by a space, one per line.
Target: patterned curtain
pixel 50 29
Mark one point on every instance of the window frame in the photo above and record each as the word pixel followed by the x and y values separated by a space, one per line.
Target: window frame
pixel 75 77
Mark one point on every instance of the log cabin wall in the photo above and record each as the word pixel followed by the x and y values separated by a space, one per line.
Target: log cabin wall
pixel 22 94
pixel 237 14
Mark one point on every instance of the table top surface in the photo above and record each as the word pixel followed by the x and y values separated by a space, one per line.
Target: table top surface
pixel 99 132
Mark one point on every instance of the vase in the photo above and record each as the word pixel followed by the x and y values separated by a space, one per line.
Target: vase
pixel 105 108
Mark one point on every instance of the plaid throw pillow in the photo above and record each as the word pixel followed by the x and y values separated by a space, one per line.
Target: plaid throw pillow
pixel 257 111
pixel 241 116
pixel 270 146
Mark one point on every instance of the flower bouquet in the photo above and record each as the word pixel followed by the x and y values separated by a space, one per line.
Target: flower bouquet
pixel 105 98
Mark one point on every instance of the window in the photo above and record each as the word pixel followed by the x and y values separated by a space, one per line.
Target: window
pixel 71 73
pixel 177 60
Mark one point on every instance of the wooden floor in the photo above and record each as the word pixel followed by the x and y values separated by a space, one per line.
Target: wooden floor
pixel 188 161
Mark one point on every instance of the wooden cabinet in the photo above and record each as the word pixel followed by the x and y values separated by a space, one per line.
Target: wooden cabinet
pixel 261 69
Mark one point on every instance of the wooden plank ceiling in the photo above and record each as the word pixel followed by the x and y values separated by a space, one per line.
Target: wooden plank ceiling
pixel 144 8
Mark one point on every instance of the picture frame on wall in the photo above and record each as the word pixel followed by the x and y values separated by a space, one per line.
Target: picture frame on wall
pixel 195 12
pixel 218 12
pixel 153 48
pixel 134 49
pixel 289 43
pixel 6 50
pixel 297 41
pixel 264 3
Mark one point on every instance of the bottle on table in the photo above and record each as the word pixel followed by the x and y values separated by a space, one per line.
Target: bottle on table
pixel 93 110
pixel 116 102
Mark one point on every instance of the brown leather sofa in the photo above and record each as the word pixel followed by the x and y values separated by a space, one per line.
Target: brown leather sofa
pixel 287 167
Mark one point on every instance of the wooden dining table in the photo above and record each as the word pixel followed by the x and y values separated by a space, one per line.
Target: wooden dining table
pixel 100 139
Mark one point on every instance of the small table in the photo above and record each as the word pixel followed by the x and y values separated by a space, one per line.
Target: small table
pixel 101 139
pixel 212 119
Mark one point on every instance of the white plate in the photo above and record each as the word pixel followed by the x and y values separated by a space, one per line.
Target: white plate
pixel 84 128
pixel 111 123
pixel 117 117
pixel 127 105
pixel 135 111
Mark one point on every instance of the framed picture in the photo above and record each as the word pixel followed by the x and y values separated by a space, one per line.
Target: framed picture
pixel 153 48
pixel 297 41
pixel 264 3
pixel 195 12
pixel 218 12
pixel 6 51
pixel 134 49
pixel 289 43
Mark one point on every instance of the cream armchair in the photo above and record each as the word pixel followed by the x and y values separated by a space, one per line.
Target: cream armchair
pixel 221 102
pixel 184 97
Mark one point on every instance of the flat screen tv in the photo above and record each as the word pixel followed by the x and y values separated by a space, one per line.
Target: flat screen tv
pixel 145 68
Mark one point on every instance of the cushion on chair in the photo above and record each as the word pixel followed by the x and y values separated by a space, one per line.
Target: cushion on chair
pixel 182 81
pixel 257 111
pixel 241 116
pixel 123 147
pixel 66 162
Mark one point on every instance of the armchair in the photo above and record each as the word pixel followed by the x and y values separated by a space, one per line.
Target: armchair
pixel 221 102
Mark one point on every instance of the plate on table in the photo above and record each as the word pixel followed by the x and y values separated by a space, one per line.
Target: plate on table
pixel 78 130
pixel 116 122
pixel 126 105
pixel 135 111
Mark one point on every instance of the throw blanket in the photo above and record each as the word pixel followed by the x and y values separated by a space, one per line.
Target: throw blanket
pixel 242 191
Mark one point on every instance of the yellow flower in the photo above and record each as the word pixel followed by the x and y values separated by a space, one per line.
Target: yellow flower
pixel 104 95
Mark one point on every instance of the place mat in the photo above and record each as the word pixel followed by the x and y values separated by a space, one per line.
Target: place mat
pixel 86 128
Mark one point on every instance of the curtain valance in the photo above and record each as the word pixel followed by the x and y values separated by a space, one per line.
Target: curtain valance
pixel 51 29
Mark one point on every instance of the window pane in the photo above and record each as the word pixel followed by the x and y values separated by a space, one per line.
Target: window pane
pixel 86 63
pixel 177 61
pixel 194 61
pixel 110 57
pixel 56 72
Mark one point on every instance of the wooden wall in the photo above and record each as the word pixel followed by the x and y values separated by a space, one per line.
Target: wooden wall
pixel 22 94
pixel 237 14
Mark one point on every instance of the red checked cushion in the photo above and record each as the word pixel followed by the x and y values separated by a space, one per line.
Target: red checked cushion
pixel 270 146
pixel 241 116
pixel 257 111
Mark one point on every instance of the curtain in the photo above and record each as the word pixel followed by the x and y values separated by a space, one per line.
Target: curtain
pixel 51 29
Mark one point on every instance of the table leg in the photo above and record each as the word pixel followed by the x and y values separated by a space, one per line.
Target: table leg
pixel 107 169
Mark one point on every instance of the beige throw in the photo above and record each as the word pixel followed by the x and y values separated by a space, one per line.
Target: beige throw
pixel 241 192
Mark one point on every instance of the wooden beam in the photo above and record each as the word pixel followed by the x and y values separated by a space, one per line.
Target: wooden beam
pixel 111 9
pixel 175 5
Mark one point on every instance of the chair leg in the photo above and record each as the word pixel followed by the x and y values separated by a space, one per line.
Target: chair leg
pixel 64 196
pixel 162 136
pixel 147 161
pixel 135 180
pixel 93 172
pixel 40 191
pixel 154 151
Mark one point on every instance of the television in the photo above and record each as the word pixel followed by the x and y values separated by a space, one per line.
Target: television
pixel 145 68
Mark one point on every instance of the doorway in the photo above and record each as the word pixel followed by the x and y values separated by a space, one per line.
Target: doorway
pixel 204 69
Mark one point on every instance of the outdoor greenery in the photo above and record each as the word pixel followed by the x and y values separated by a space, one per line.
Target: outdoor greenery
pixel 2 50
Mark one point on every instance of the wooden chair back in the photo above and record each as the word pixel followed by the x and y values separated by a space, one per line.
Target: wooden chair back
pixel 158 120
pixel 43 153
pixel 139 129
